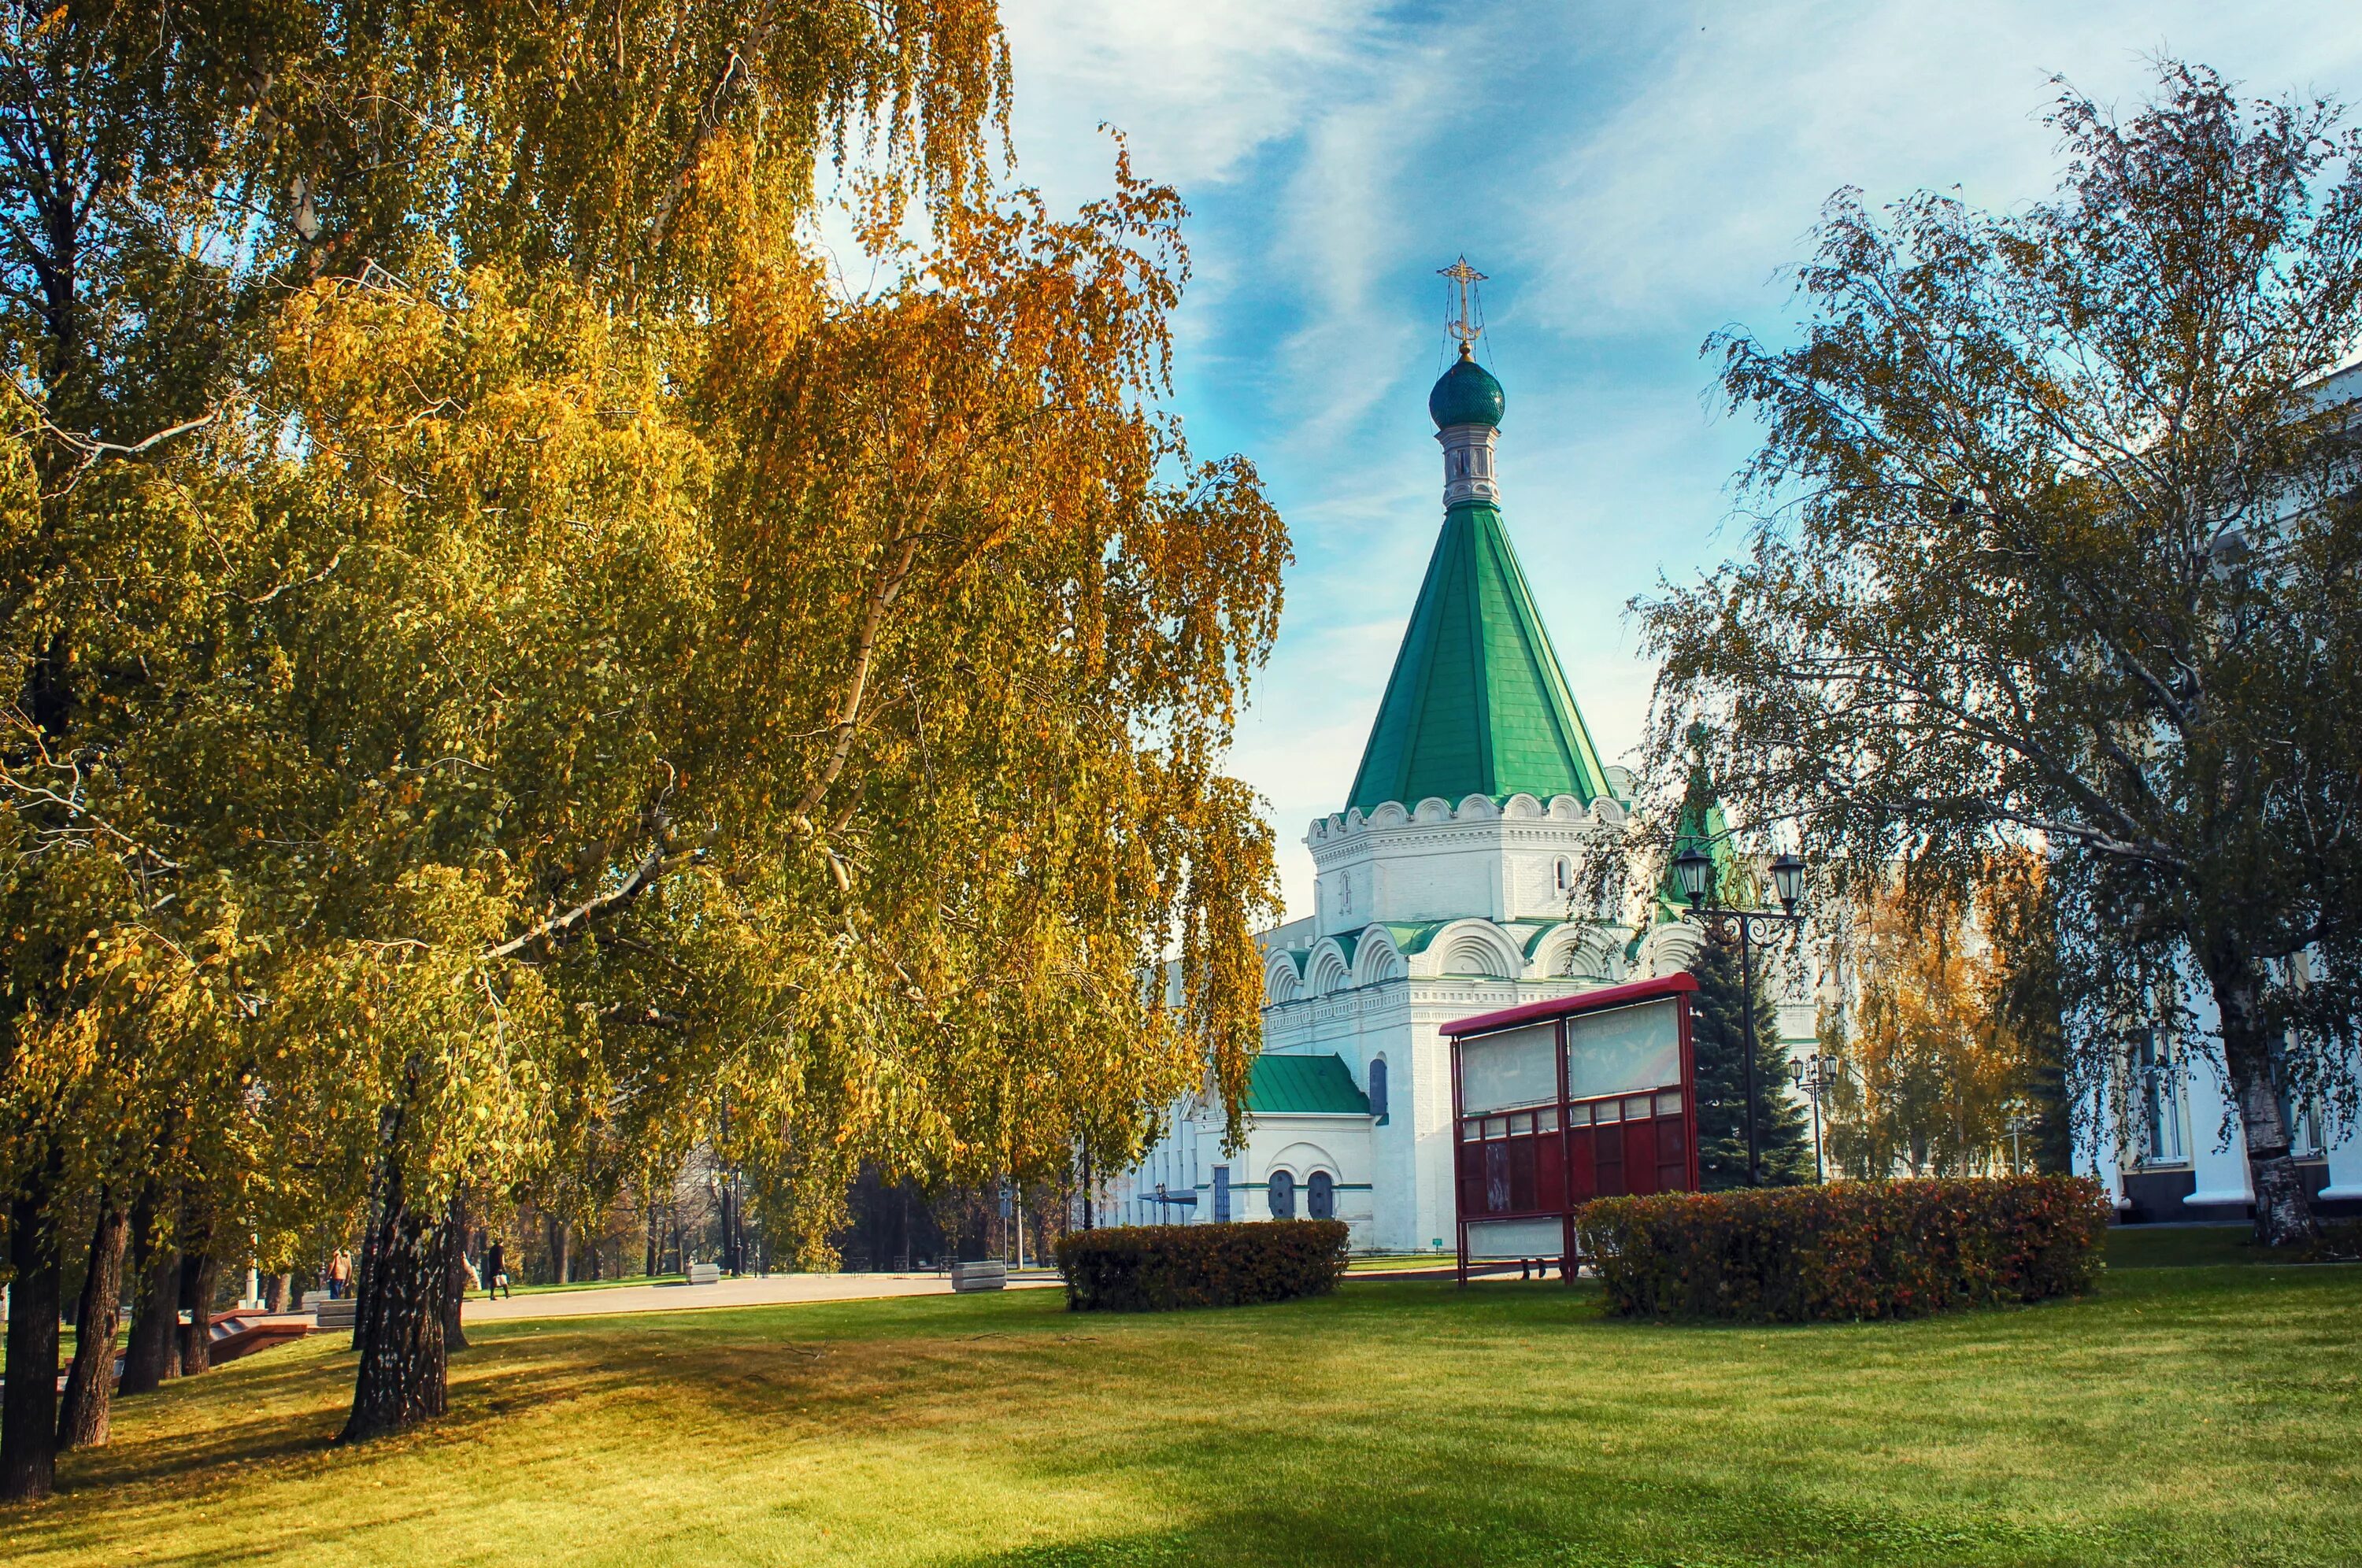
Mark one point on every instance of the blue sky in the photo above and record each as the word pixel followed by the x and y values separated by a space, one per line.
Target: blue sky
pixel 1630 176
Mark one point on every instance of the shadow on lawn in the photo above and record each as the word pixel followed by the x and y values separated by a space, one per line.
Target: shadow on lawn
pixel 1632 1524
pixel 282 1410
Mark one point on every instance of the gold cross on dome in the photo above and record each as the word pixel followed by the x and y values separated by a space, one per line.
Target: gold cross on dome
pixel 1465 279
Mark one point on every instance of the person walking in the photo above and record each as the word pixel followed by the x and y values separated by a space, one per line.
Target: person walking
pixel 340 1275
pixel 496 1271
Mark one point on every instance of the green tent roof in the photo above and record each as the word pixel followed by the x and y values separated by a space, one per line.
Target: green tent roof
pixel 1477 704
pixel 1304 1085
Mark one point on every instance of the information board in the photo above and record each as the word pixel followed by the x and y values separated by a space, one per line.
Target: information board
pixel 1559 1103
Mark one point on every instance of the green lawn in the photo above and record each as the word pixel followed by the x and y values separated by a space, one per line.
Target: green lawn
pixel 2184 1416
pixel 2181 1246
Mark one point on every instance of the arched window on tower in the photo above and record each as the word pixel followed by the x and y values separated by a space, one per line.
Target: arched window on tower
pixel 1321 1197
pixel 1281 1191
pixel 1565 875
pixel 1378 1089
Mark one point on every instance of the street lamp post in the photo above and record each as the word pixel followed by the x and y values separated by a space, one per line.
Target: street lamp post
pixel 1810 1073
pixel 1695 869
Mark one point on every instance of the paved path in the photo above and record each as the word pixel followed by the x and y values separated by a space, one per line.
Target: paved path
pixel 778 1289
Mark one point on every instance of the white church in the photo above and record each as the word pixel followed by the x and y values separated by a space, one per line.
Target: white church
pixel 1446 888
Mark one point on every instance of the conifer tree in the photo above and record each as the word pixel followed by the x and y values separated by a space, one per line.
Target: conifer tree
pixel 2026 998
pixel 1718 1039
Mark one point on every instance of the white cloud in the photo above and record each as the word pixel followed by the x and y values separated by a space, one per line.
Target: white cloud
pixel 1633 177
pixel 1714 159
pixel 1199 88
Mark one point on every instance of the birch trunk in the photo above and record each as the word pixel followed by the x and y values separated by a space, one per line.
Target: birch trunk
pixel 398 1326
pixel 2283 1208
pixel 28 1408
pixel 153 1353
pixel 200 1273
pixel 85 1412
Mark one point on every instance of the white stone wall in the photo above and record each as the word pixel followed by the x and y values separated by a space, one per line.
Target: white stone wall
pixel 1436 861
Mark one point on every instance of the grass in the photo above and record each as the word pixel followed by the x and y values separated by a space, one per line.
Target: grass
pixel 2183 1246
pixel 2181 1416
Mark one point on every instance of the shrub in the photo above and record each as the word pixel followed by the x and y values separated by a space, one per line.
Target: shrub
pixel 1884 1249
pixel 1156 1269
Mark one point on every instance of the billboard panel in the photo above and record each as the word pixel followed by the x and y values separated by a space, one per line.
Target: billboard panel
pixel 1556 1103
pixel 1624 1049
pixel 1514 1068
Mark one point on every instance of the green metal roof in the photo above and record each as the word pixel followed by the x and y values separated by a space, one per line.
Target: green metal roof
pixel 1304 1085
pixel 1412 936
pixel 1477 703
pixel 1532 931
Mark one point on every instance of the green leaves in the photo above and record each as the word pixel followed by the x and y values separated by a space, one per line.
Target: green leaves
pixel 2057 559
pixel 597 689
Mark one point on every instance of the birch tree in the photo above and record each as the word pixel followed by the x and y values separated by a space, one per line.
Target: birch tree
pixel 516 659
pixel 2058 552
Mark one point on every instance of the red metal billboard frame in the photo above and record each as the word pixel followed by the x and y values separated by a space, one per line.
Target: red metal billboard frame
pixel 1569 1120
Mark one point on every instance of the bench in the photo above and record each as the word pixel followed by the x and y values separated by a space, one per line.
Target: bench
pixel 242 1334
pixel 330 1314
pixel 705 1274
pixel 991 1276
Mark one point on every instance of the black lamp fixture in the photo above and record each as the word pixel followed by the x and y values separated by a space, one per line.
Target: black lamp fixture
pixel 1695 869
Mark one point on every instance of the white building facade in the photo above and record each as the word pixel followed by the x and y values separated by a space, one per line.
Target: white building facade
pixel 2164 1138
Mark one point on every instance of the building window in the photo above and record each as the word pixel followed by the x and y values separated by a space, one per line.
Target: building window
pixel 2303 1119
pixel 1282 1195
pixel 2160 1131
pixel 1221 1195
pixel 2299 1114
pixel 1378 1090
pixel 1565 875
pixel 1321 1197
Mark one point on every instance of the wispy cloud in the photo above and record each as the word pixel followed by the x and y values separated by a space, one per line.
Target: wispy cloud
pixel 1632 177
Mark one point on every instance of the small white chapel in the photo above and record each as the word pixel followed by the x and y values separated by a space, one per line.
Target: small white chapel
pixel 1446 888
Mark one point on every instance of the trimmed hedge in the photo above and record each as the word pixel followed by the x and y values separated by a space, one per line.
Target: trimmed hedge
pixel 1851 1250
pixel 1157 1268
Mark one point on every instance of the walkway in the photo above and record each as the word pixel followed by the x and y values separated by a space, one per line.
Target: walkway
pixel 772 1290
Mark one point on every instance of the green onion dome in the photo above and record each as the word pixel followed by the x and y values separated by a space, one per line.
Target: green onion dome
pixel 1467 394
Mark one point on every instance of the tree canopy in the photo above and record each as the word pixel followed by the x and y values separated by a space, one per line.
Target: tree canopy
pixel 522 671
pixel 2057 551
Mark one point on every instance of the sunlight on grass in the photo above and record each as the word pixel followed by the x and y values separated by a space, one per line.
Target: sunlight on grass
pixel 2199 1416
